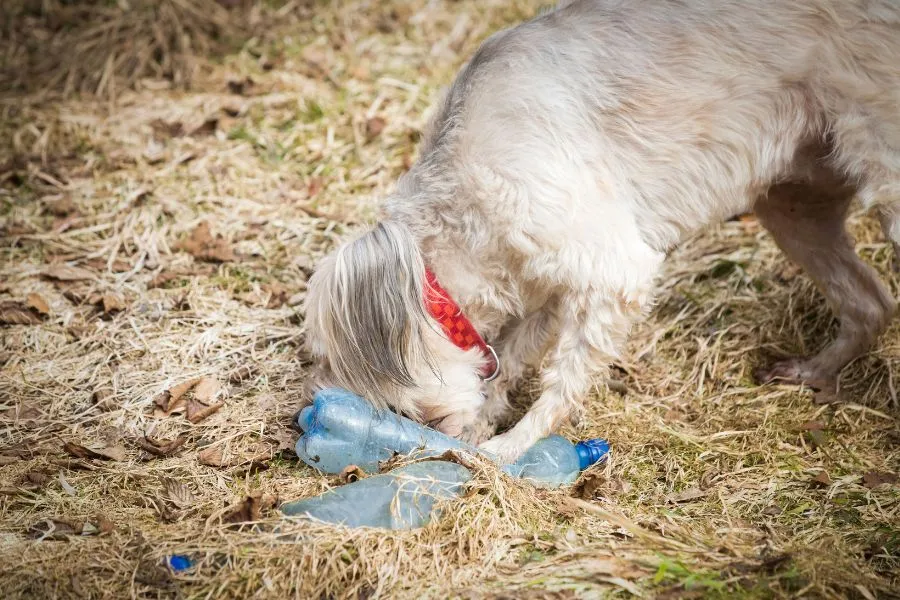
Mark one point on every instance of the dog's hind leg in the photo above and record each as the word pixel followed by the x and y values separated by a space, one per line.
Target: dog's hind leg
pixel 807 222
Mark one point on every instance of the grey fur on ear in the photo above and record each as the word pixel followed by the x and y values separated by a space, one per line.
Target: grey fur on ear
pixel 367 303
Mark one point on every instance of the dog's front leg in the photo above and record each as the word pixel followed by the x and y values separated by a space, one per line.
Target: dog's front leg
pixel 592 330
pixel 521 345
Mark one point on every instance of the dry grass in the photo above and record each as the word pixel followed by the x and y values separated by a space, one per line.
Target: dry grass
pixel 715 486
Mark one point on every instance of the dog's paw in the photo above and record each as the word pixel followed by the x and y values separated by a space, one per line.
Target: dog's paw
pixel 478 432
pixel 793 371
pixel 506 447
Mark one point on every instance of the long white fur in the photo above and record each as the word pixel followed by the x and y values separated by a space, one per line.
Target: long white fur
pixel 573 152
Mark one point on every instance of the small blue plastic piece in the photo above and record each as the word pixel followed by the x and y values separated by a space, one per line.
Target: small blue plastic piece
pixel 180 562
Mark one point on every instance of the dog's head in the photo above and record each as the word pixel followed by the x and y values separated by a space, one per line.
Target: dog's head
pixel 368 331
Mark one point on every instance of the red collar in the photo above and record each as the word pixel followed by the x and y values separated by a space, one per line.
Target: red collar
pixel 458 328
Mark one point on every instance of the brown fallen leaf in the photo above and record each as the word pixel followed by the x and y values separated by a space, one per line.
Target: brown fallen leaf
pixel 59 205
pixel 77 296
pixel 686 496
pixel 197 411
pixel 374 127
pixel 813 426
pixel 278 294
pixel 112 302
pixel 822 478
pixel 179 494
pixel 37 478
pixel 104 399
pixel 177 391
pixel 116 453
pixel 352 473
pixel 250 509
pixel 37 303
pixel 817 438
pixel 102 264
pixel 104 525
pixel 170 400
pixel 203 246
pixel 15 313
pixel 313 188
pixel 54 529
pixel 213 456
pixel 167 129
pixel 68 273
pixel 163 278
pixel 161 447
pixel 206 389
pixel 241 374
pixel 874 479
pixel 588 486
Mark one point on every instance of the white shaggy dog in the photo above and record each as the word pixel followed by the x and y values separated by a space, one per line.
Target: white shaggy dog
pixel 569 156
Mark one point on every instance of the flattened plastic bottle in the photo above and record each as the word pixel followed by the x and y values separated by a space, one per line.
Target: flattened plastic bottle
pixel 404 498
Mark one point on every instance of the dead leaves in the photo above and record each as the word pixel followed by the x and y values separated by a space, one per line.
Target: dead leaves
pixel 179 494
pixel 688 495
pixel 161 448
pixel 588 485
pixel 61 529
pixel 116 453
pixel 197 411
pixel 213 456
pixel 31 312
pixel 374 127
pixel 203 246
pixel 241 374
pixel 271 295
pixel 36 303
pixel 250 459
pixel 352 473
pixel 822 478
pixel 17 313
pixel 198 406
pixel 875 479
pixel 68 273
pixel 201 405
pixel 170 400
pixel 112 302
pixel 250 509
pixel 815 433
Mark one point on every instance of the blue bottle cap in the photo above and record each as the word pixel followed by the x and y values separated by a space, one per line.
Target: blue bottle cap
pixel 591 451
pixel 179 562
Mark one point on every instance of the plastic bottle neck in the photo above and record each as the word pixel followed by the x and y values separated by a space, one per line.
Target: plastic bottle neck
pixel 591 451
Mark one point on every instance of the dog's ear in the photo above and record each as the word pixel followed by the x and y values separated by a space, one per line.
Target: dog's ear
pixel 365 311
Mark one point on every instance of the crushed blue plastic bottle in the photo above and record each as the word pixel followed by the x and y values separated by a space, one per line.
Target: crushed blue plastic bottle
pixel 342 429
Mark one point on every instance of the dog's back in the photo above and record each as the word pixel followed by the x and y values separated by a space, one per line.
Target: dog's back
pixel 700 105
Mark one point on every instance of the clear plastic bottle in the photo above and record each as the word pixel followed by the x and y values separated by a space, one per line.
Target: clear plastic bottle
pixel 404 498
pixel 342 429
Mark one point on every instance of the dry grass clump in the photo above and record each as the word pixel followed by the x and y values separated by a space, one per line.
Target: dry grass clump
pixel 98 47
pixel 153 258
